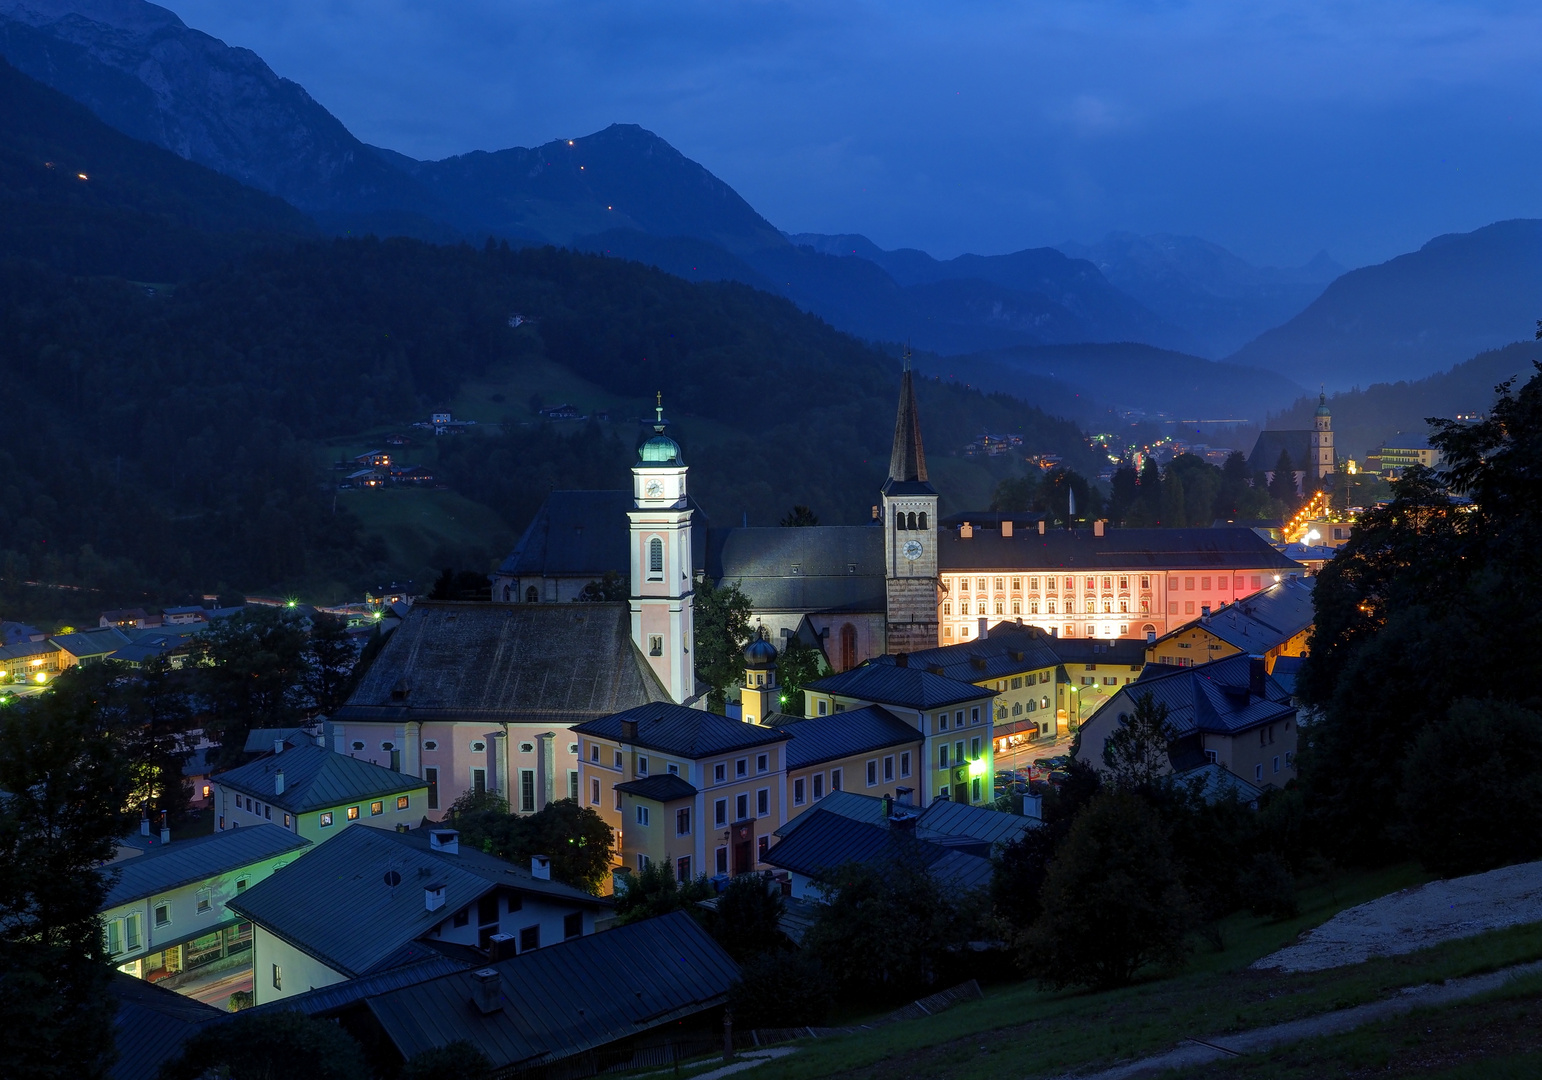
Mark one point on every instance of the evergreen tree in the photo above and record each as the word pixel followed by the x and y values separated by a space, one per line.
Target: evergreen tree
pixel 1126 490
pixel 747 923
pixel 263 1046
pixel 252 669
pixel 1174 512
pixel 800 517
pixel 796 667
pixel 1282 488
pixel 331 656
pixel 1136 752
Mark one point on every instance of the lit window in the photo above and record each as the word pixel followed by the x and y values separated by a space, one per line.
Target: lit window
pixel 326 820
pixel 403 801
pixel 353 813
pixel 376 809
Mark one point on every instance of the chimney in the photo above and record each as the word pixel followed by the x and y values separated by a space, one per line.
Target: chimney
pixel 1150 636
pixel 487 993
pixel 540 867
pixel 338 742
pixel 1097 527
pixel 965 531
pixel 165 834
pixel 445 841
pixel 278 782
pixel 1041 527
pixel 1006 527
pixel 1033 807
pixel 144 826
pixel 1256 676
pixel 985 628
pixel 904 796
pixel 629 729
pixel 888 806
pixel 901 659
pixel 501 947
pixel 433 896
pixel 321 741
pixel 278 746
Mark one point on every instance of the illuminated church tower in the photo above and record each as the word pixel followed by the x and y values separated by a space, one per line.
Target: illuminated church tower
pixel 663 581
pixel 1322 440
pixel 910 522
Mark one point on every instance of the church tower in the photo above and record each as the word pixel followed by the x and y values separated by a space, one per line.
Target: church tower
pixel 1322 439
pixel 663 579
pixel 910 524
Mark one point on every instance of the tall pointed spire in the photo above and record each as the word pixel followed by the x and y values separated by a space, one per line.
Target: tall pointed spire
pixel 908 460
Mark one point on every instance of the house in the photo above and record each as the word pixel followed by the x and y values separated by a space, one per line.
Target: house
pixel 129 619
pixel 153 645
pixel 89 646
pixel 595 996
pixel 166 917
pixel 693 789
pixel 1230 712
pixel 975 830
pixel 1094 670
pixel 484 696
pixel 30 661
pixel 865 749
pixel 15 633
pixel 150 1025
pixel 1273 622
pixel 276 740
pixel 825 841
pixel 565 411
pixel 376 899
pixel 184 616
pixel 365 478
pixel 1402 451
pixel 954 718
pixel 411 474
pixel 374 459
pixel 316 793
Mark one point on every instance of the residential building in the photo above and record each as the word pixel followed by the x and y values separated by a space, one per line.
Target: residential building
pixel 315 793
pixel 484 696
pixel 373 899
pixel 1229 712
pixel 1402 451
pixel 954 718
pixel 165 916
pixel 30 661
pixel 1274 622
pixel 185 616
pixel 1094 671
pixel 89 646
pixel 975 830
pixel 866 749
pixel 129 619
pixel 695 790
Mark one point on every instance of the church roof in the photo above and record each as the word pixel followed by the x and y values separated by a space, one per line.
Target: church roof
pixel 1266 451
pixel 907 461
pixel 584 533
pixel 1117 549
pixel 508 663
pixel 814 568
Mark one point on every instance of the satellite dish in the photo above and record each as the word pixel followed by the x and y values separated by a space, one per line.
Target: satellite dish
pixel 392 878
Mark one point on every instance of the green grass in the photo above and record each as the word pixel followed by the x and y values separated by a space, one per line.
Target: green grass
pixel 1025 1031
pixel 425 530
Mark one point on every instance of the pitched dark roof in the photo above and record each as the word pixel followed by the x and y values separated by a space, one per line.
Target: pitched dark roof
pixel 1262 621
pixel 568 998
pixel 837 735
pixel 1266 450
pixel 151 1024
pixel 327 1000
pixel 1009 649
pixel 1211 697
pixel 890 684
pixel 1131 651
pixel 1287 669
pixel 825 841
pixel 1135 550
pixel 675 729
pixel 380 920
pixel 509 663
pixel 315 778
pixel 261 740
pixel 943 822
pixel 572 534
pixel 179 864
pixel 814 568
pixel 95 642
pixel 665 787
pixel 907 460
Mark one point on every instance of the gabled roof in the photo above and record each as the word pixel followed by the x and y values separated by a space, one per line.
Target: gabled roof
pixel 1134 550
pixel 1131 651
pixel 830 568
pixel 665 787
pixel 1211 697
pixel 150 1025
pixel 1217 783
pixel 1009 649
pixel 178 864
pixel 365 922
pixel 1266 450
pixel 327 1000
pixel 1262 621
pixel 943 822
pixel 568 998
pixel 572 534
pixel 1287 669
pixel 837 735
pixel 261 740
pixel 825 841
pixel 908 687
pixel 97 642
pixel 675 729
pixel 315 778
pixel 25 649
pixel 506 663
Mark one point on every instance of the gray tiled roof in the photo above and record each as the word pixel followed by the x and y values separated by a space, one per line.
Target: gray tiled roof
pixel 1117 549
pixel 178 864
pixel 326 1000
pixel 568 998
pixel 675 729
pixel 1131 651
pixel 665 787
pixel 943 822
pixel 150 1025
pixel 1010 649
pixel 574 533
pixel 889 684
pixel 838 567
pixel 837 735
pixel 1287 669
pixel 1211 697
pixel 349 870
pixel 315 778
pixel 1262 621
pixel 261 740
pixel 825 841
pixel 98 642
pixel 509 663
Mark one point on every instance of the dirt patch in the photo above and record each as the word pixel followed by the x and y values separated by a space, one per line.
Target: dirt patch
pixel 1417 918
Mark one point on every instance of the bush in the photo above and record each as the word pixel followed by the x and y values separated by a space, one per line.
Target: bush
pixel 1268 888
pixel 454 1061
pixel 270 1046
pixel 748 922
pixel 1112 902
pixel 241 999
pixel 780 990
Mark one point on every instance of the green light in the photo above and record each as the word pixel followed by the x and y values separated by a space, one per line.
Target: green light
pixel 977 767
pixel 290 604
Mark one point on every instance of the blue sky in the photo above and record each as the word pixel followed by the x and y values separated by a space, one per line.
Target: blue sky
pixel 1274 128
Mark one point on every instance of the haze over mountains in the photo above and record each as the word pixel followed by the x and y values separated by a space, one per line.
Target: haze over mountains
pixel 625 192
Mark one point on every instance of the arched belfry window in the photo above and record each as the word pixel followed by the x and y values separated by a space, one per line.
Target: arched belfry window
pixel 656 558
pixel 532 595
pixel 923 519
pixel 899 522
pixel 912 521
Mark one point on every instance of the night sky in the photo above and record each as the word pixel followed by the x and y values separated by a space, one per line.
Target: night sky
pixel 1274 128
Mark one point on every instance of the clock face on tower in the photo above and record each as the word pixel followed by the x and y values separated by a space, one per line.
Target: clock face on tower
pixel 912 550
pixel 654 489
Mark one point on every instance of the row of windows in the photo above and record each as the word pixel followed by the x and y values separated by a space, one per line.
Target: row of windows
pixel 981 607
pixel 1055 583
pixel 958 718
pixel 1050 583
pixel 375 810
pixel 720 859
pixel 741 766
pixel 264 810
pixel 1068 630
pixel 957 752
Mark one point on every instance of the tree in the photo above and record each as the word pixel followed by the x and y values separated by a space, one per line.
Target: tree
pixel 577 840
pixel 1016 494
pixel 1472 789
pixel 1136 752
pixel 747 923
pixel 155 715
pixel 1022 865
pixel 798 666
pixel 654 891
pixel 1282 488
pixel 66 782
pixel 1117 848
pixel 780 990
pixel 722 631
pixel 1125 492
pixel 610 588
pixel 458 1060
pixel 252 668
pixel 465 585
pixel 1174 511
pixel 267 1046
pixel 331 655
pixel 800 517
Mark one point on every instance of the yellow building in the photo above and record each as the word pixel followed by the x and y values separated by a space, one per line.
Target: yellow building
pixel 869 751
pixel 1271 623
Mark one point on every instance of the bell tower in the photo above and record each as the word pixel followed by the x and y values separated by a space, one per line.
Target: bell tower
pixel 1323 461
pixel 910 527
pixel 663 578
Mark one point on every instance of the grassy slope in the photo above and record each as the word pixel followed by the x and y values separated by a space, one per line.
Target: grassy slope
pixel 1024 1031
pixel 426 530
